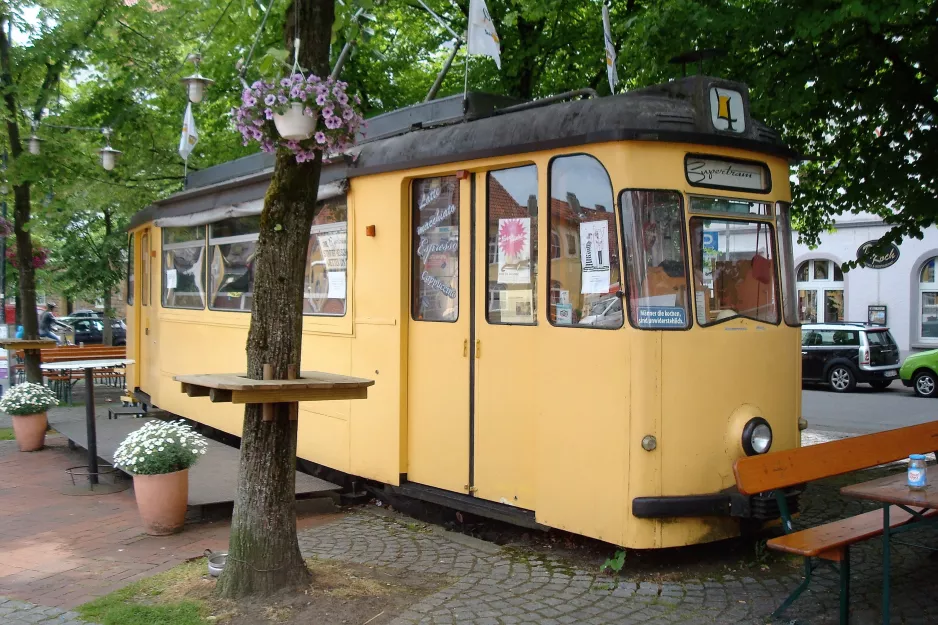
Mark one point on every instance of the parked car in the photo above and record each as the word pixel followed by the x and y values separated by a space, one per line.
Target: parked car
pixel 844 354
pixel 91 331
pixel 920 371
pixel 87 313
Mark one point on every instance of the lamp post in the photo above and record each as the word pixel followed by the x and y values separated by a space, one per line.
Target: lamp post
pixel 196 83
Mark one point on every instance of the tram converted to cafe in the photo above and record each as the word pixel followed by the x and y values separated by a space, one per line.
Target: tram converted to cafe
pixel 578 313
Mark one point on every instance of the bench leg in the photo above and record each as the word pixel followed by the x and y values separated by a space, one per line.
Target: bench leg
pixel 845 587
pixel 808 569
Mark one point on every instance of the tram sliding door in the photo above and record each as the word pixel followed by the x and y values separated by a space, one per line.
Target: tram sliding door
pixel 146 328
pixel 439 348
pixel 506 314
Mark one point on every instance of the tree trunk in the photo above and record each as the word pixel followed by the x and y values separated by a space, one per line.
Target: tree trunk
pixel 264 555
pixel 69 306
pixel 27 278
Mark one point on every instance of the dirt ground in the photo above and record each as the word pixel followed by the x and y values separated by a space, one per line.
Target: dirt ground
pixel 340 593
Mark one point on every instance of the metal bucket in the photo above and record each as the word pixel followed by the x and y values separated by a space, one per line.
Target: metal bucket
pixel 216 562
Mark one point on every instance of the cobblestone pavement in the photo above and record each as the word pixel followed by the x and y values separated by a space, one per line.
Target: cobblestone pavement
pixel 23 613
pixel 495 586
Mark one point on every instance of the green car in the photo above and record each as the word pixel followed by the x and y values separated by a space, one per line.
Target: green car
pixel 920 371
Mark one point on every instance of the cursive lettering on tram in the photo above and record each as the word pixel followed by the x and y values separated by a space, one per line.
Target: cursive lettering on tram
pixel 428 197
pixel 440 216
pixel 426 248
pixel 697 171
pixel 435 283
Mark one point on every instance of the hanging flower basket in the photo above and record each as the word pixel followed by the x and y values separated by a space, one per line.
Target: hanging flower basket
pixel 6 227
pixel 40 257
pixel 301 114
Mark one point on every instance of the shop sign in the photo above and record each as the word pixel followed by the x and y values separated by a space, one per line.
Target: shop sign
pixel 879 260
pixel 723 174
pixel 661 317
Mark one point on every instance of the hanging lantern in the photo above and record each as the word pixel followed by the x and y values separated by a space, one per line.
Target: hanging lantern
pixel 34 144
pixel 196 83
pixel 109 157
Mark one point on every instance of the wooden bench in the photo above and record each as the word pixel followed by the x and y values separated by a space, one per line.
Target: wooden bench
pixel 62 381
pixel 830 543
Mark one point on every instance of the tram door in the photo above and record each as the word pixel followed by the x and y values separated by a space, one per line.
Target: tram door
pixel 506 314
pixel 439 342
pixel 148 366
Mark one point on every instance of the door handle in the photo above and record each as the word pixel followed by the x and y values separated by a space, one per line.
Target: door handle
pixel 465 348
pixel 478 349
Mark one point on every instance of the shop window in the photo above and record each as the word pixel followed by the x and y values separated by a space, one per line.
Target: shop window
pixel 184 267
pixel 232 243
pixel 820 291
pixel 786 264
pixel 928 297
pixel 735 274
pixel 435 249
pixel 655 264
pixel 586 282
pixel 130 270
pixel 511 222
pixel 325 285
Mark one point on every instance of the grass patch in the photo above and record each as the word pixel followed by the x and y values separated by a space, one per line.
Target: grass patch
pixel 6 434
pixel 170 598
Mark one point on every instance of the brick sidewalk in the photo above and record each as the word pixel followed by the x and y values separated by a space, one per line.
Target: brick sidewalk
pixel 60 551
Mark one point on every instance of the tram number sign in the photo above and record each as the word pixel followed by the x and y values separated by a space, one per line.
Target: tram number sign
pixel 661 317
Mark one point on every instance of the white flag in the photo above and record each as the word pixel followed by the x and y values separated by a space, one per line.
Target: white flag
pixel 190 136
pixel 610 52
pixel 482 36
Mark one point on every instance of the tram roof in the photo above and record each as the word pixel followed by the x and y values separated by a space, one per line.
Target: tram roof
pixel 442 131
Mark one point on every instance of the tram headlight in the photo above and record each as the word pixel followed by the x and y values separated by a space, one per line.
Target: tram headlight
pixel 757 437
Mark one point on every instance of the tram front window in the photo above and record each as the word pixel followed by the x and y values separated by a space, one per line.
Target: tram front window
pixel 734 270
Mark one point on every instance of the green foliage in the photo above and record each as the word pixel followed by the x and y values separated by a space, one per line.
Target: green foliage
pixel 615 563
pixel 6 434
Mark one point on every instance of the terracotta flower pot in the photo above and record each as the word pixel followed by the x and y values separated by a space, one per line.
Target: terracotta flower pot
pixel 293 124
pixel 161 500
pixel 30 431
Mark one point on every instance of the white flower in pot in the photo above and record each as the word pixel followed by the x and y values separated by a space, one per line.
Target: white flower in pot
pixel 159 455
pixel 27 404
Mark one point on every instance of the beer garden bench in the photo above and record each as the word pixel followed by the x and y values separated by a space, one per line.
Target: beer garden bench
pixel 830 543
pixel 62 381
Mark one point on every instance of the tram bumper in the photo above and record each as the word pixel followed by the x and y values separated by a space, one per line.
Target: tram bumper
pixel 760 507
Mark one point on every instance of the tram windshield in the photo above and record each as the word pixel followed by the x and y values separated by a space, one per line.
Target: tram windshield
pixel 735 271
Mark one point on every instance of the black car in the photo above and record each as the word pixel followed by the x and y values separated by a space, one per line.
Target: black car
pixel 94 314
pixel 90 331
pixel 844 354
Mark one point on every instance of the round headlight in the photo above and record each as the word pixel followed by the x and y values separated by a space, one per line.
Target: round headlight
pixel 757 437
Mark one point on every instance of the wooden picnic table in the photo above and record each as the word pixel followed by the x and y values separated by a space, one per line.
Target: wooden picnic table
pixel 894 490
pixel 17 344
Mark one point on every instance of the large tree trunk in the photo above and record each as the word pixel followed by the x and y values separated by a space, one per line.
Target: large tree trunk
pixel 27 278
pixel 264 555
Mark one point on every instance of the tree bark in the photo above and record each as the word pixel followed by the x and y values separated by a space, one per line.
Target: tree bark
pixel 263 553
pixel 27 279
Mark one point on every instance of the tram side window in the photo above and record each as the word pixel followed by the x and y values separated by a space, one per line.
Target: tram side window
pixel 325 284
pixel 130 270
pixel 184 267
pixel 583 277
pixel 435 274
pixel 232 243
pixel 511 213
pixel 655 265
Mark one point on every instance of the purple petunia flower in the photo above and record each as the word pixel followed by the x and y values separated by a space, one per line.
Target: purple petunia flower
pixel 313 78
pixel 302 95
pixel 333 122
pixel 249 101
pixel 258 84
pixel 322 90
pixel 285 82
pixel 320 137
pixel 295 91
pixel 270 99
pixel 257 134
pixel 298 78
pixel 328 111
pixel 282 99
pixel 268 114
pixel 301 157
pixel 348 114
pixel 308 112
pixel 342 98
pixel 258 122
pixel 310 88
pixel 321 99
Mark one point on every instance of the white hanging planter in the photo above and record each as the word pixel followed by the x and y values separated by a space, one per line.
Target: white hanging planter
pixel 293 124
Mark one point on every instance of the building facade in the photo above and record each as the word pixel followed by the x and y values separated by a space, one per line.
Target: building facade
pixel 898 288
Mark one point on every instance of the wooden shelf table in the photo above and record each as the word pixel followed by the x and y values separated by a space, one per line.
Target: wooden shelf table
pixel 237 388
pixel 18 344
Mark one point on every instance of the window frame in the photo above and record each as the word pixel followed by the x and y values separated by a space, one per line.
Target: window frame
pixel 773 238
pixel 923 288
pixel 550 229
pixel 789 257
pixel 685 242
pixel 131 267
pixel 165 247
pixel 210 243
pixel 534 249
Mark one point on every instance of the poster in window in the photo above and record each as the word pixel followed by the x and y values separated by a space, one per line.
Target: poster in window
pixel 517 306
pixel 877 315
pixel 514 251
pixel 594 256
pixel 564 315
pixel 171 279
pixel 334 247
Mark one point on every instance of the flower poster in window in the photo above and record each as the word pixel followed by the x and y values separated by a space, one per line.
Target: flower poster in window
pixel 514 251
pixel 594 254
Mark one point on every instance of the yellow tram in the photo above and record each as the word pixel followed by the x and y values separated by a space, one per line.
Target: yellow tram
pixel 578 313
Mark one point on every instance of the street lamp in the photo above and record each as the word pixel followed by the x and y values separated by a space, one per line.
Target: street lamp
pixel 34 144
pixel 108 154
pixel 196 83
